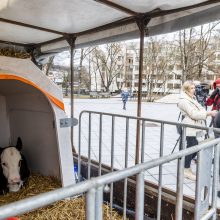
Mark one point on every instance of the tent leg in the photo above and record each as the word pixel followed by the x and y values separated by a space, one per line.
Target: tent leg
pixel 141 22
pixel 71 41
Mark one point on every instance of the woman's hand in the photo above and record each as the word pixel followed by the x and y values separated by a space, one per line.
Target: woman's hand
pixel 212 113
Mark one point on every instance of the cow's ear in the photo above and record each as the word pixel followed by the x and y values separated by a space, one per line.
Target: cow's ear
pixel 19 144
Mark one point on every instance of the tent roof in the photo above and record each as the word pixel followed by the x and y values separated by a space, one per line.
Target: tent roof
pixel 47 24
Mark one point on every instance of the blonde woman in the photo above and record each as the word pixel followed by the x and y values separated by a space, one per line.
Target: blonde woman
pixel 193 114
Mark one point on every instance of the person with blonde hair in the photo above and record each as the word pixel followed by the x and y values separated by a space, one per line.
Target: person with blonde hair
pixel 194 114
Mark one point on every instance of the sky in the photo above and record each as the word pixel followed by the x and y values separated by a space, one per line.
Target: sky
pixel 63 58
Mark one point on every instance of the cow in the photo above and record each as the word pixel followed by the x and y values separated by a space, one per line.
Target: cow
pixel 14 171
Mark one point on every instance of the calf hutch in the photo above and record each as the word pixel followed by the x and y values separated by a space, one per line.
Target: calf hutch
pixel 31 107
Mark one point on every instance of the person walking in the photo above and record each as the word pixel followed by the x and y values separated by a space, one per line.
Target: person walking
pixel 124 96
pixel 193 114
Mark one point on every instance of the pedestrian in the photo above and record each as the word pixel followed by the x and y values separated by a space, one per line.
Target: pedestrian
pixel 214 98
pixel 124 96
pixel 193 114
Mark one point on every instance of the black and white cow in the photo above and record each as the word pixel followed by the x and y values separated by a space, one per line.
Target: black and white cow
pixel 14 171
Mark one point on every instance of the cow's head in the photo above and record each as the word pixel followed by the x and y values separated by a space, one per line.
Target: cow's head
pixel 11 161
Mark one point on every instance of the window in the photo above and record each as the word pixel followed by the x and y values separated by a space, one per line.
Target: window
pixel 176 86
pixel 177 76
pixel 129 68
pixel 160 77
pixel 170 86
pixel 130 61
pixel 128 84
pixel 153 77
pixel 136 67
pixel 210 77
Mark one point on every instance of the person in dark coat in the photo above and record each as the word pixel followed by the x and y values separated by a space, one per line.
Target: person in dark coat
pixel 124 96
pixel 214 98
pixel 216 124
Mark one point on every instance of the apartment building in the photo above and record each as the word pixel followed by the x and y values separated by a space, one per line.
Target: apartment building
pixel 168 80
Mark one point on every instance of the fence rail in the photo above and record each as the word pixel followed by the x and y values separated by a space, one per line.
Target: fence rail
pixel 93 188
pixel 180 166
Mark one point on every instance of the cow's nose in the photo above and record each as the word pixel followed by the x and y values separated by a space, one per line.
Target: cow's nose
pixel 14 180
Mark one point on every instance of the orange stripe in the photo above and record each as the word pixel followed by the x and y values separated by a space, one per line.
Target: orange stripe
pixel 52 98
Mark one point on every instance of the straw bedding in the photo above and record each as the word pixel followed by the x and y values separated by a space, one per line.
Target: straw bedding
pixel 9 52
pixel 66 209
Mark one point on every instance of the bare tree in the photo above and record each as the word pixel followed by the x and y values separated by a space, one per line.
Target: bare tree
pixel 158 64
pixel 195 51
pixel 84 77
pixel 48 65
pixel 66 81
pixel 105 60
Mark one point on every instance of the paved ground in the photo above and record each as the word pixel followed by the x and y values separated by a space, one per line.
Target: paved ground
pixel 152 141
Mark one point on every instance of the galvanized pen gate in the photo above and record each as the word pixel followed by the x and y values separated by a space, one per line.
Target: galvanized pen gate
pixel 206 184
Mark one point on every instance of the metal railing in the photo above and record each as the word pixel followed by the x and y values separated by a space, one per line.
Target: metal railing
pixel 143 121
pixel 94 187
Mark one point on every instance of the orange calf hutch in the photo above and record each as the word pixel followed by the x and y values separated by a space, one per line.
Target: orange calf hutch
pixel 31 107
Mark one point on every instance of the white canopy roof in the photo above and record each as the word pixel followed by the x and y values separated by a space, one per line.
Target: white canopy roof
pixel 96 21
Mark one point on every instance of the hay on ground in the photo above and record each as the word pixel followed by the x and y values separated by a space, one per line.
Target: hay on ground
pixel 63 210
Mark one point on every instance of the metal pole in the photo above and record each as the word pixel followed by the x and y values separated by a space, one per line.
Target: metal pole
pixel 141 28
pixel 79 148
pixel 71 41
pixel 90 204
pixel 139 200
pixel 126 165
pixel 160 173
pixel 100 145
pixel 89 148
pixel 99 203
pixel 141 22
pixel 143 141
pixel 180 180
pixel 112 163
pixel 215 180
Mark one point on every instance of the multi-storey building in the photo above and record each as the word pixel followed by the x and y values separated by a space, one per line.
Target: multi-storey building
pixel 168 80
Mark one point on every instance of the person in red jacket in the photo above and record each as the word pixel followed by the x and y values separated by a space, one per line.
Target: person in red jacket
pixel 214 98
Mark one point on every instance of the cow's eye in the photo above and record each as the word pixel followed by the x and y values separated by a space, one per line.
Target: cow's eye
pixel 19 164
pixel 3 164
